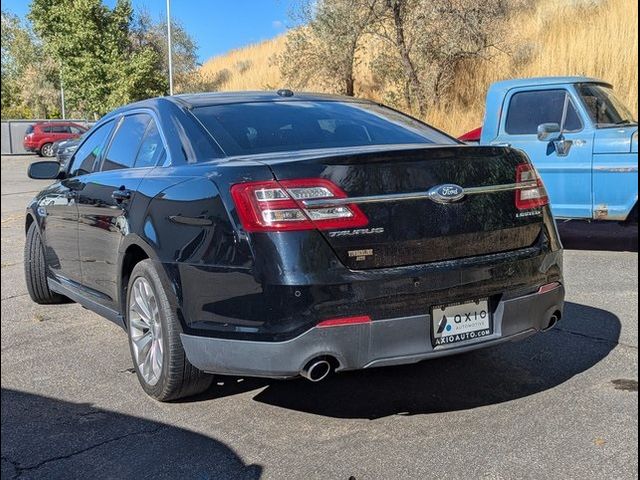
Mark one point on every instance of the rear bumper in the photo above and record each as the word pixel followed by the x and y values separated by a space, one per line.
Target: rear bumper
pixel 379 343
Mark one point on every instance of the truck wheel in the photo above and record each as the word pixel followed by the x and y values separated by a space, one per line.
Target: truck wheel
pixel 159 360
pixel 35 270
pixel 47 150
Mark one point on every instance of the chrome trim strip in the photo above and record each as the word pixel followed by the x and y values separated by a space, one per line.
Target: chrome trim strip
pixel 329 202
pixel 507 187
pixel 616 169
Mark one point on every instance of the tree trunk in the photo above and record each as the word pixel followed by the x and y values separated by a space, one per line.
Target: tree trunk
pixel 406 90
pixel 349 84
pixel 407 64
pixel 349 79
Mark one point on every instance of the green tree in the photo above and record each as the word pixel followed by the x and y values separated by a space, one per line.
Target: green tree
pixel 431 40
pixel 324 48
pixel 147 32
pixel 101 66
pixel 30 84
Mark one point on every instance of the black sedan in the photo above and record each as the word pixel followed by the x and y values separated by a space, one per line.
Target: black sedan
pixel 281 234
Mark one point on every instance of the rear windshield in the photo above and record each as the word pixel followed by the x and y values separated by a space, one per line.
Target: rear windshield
pixel 263 127
pixel 29 130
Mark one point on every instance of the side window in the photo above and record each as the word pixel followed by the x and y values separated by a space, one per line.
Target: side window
pixel 152 149
pixel 527 110
pixel 47 129
pixel 126 141
pixel 90 150
pixel 76 130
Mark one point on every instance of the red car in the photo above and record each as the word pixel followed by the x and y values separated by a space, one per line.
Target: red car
pixel 41 136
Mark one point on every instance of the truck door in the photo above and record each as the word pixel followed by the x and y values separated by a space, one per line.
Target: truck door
pixel 566 174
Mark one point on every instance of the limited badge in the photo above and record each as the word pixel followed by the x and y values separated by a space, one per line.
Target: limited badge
pixel 360 254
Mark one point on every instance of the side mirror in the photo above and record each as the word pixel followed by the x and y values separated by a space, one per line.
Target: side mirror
pixel 46 170
pixel 549 132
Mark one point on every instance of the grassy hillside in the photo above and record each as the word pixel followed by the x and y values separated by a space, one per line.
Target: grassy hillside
pixel 555 37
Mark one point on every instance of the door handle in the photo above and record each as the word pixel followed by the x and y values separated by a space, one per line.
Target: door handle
pixel 121 195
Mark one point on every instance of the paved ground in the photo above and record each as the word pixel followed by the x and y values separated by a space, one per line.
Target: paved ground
pixel 562 404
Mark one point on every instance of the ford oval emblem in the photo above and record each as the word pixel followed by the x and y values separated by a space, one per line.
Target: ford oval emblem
pixel 447 193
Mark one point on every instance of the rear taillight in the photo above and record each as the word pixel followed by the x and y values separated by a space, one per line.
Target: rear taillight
pixel 531 192
pixel 275 206
pixel 548 287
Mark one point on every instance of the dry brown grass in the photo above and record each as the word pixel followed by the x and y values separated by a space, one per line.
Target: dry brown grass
pixel 597 38
pixel 261 73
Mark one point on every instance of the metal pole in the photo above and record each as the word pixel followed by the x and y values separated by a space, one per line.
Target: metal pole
pixel 64 114
pixel 169 47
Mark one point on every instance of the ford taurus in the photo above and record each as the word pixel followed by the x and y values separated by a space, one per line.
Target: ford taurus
pixel 283 235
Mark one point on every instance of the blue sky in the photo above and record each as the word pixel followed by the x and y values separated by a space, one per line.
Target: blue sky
pixel 216 25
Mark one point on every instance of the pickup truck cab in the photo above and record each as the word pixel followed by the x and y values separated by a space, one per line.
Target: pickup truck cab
pixel 580 137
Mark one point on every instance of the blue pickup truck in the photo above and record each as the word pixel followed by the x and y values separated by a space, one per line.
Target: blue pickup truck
pixel 580 137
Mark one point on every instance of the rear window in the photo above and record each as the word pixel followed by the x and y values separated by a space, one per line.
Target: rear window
pixel 126 142
pixel 151 149
pixel 76 129
pixel 262 127
pixel 29 130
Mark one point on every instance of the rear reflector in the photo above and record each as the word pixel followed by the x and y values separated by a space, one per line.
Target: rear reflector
pixel 530 197
pixel 548 287
pixel 337 322
pixel 275 206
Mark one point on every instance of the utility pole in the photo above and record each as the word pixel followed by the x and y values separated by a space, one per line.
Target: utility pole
pixel 169 47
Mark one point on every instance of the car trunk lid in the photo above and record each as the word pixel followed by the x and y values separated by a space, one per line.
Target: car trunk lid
pixel 409 196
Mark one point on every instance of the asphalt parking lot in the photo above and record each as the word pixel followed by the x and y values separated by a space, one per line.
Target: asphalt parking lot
pixel 562 404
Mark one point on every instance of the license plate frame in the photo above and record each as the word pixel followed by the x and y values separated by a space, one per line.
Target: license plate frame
pixel 467 321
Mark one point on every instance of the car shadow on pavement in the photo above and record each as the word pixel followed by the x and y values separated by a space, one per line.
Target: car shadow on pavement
pixel 49 438
pixel 507 372
pixel 610 236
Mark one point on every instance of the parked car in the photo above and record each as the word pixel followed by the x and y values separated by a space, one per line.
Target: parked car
pixel 581 138
pixel 63 150
pixel 41 136
pixel 282 235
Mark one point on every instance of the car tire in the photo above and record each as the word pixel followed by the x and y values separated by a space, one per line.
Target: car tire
pixel 35 270
pixel 46 150
pixel 154 331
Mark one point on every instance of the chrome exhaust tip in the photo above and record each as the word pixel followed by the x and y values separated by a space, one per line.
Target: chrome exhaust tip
pixel 552 321
pixel 316 370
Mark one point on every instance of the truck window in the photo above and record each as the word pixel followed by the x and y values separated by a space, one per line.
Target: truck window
pixel 527 110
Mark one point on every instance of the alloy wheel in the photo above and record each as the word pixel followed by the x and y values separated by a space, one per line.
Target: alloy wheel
pixel 145 330
pixel 47 150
